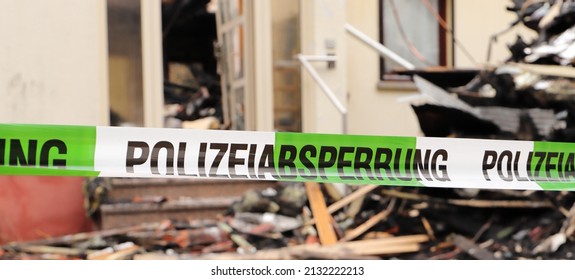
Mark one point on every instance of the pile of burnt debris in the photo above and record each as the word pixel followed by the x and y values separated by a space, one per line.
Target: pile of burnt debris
pixel 331 221
pixel 530 97
pixel 192 91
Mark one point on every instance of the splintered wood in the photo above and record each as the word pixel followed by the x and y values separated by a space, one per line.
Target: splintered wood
pixel 322 217
pixel 361 249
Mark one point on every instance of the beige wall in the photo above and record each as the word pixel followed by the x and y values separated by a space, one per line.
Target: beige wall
pixel 53 62
pixel 372 111
pixel 475 23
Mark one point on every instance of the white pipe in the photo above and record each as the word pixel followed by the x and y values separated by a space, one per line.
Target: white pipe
pixel 319 57
pixel 381 49
pixel 322 85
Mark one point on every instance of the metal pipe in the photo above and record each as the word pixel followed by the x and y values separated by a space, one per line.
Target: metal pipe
pixel 344 123
pixel 322 85
pixel 319 57
pixel 381 49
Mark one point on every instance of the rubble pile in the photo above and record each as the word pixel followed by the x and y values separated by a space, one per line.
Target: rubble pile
pixel 530 97
pixel 340 222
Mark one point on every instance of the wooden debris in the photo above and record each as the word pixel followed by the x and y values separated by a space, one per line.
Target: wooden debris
pixel 238 239
pixel 72 238
pixel 118 252
pixel 361 229
pixel 472 249
pixel 342 250
pixel 359 193
pixel 472 203
pixel 428 228
pixel 332 191
pixel 314 254
pixel 351 198
pixel 322 217
pixel 403 220
pixel 376 235
pixel 40 249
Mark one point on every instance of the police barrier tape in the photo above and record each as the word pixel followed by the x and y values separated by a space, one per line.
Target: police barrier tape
pixel 387 160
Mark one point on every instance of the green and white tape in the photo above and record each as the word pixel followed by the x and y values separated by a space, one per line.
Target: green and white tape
pixel 387 160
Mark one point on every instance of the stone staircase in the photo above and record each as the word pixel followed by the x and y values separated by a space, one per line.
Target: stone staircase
pixel 135 201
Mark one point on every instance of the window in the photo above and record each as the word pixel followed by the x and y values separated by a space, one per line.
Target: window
pixel 411 29
pixel 231 26
pixel 125 62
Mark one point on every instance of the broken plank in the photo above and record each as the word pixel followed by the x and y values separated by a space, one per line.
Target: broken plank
pixel 236 238
pixel 40 249
pixel 361 229
pixel 477 203
pixel 359 193
pixel 321 215
pixel 375 247
pixel 118 252
pixel 72 238
pixel 501 203
pixel 320 255
pixel 353 197
pixel 472 249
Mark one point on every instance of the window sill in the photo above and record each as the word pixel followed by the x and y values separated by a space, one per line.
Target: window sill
pixel 407 86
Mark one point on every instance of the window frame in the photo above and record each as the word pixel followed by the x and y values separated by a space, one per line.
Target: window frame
pixel 446 48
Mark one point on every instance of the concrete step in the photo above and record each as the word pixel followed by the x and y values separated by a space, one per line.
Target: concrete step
pixel 126 189
pixel 186 199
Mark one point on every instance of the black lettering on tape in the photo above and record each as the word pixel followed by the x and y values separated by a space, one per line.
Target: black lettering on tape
pixel 310 173
pixel 570 166
pixel 443 176
pixel 550 166
pixel 516 167
pixel 505 155
pixel 252 161
pixel 202 159
pixel 560 167
pixel 222 149
pixel 421 167
pixel 131 160
pixel 286 159
pixel 378 164
pixel 266 163
pixel 397 160
pixel 342 162
pixel 182 160
pixel 529 159
pixel 539 164
pixel 234 160
pixel 45 153
pixel 17 156
pixel 2 149
pixel 363 164
pixel 165 145
pixel 489 162
pixel 323 161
